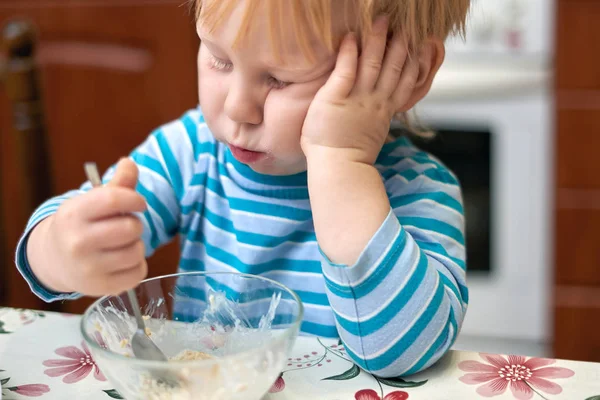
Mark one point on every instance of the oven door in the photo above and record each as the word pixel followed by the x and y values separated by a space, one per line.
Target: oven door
pixel 507 213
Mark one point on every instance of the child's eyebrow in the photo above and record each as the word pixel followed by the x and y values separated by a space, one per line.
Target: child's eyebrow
pixel 290 67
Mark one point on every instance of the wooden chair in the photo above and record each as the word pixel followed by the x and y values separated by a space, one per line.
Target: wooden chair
pixel 103 86
pixel 21 82
pixel 19 78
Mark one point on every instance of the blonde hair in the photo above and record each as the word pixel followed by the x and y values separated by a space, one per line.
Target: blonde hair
pixel 418 20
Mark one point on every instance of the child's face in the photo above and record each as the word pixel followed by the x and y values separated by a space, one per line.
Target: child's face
pixel 253 101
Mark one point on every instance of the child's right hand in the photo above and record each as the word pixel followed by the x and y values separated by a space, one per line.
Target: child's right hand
pixel 93 245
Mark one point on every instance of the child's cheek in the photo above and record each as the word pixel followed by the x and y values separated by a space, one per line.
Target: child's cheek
pixel 295 100
pixel 211 94
pixel 303 93
pixel 285 111
pixel 212 84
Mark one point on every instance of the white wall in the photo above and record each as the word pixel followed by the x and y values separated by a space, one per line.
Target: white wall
pixel 489 20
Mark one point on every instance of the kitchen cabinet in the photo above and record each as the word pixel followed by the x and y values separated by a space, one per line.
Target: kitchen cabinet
pixel 111 71
pixel 577 190
pixel 577 142
pixel 578 254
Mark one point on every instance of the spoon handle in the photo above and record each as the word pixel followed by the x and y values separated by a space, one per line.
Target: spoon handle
pixel 136 310
pixel 91 171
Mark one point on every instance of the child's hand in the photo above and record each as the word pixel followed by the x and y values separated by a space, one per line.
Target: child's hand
pixel 93 243
pixel 351 114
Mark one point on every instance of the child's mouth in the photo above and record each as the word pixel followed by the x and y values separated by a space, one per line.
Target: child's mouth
pixel 246 156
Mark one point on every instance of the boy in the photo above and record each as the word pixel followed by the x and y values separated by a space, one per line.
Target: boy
pixel 286 170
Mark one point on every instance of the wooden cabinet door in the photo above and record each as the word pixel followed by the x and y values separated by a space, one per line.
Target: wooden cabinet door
pixel 577 238
pixel 111 72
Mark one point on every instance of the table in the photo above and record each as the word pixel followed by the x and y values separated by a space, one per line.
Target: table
pixel 42 355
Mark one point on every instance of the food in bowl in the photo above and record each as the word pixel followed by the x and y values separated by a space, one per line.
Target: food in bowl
pixel 191 355
pixel 227 336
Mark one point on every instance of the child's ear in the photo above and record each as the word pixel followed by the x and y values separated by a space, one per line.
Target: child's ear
pixel 430 58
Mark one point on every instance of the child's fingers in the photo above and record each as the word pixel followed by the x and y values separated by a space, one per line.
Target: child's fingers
pixel 122 259
pixel 371 59
pixel 406 85
pixel 126 174
pixel 395 60
pixel 128 278
pixel 117 232
pixel 108 201
pixel 341 82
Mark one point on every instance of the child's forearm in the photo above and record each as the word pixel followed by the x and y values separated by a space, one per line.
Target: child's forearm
pixel 349 204
pixel 38 258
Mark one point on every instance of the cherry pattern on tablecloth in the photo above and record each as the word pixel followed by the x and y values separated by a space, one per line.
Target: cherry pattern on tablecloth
pixel 317 358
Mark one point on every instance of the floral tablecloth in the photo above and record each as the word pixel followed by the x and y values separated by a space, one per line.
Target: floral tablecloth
pixel 43 355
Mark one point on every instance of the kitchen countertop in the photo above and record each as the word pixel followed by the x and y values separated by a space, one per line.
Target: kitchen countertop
pixel 42 355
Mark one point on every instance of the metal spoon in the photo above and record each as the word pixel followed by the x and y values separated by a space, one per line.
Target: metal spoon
pixel 143 347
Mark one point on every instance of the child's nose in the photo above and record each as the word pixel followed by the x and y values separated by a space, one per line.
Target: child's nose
pixel 242 104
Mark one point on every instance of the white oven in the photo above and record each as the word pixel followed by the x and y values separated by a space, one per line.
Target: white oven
pixel 492 106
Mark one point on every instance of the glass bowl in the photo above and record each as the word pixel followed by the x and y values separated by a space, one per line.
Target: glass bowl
pixel 237 329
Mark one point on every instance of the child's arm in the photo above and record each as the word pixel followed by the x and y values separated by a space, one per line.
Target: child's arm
pixel 400 305
pixel 165 162
pixel 394 265
pixel 343 133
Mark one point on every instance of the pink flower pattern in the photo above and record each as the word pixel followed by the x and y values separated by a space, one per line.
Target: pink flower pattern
pixel 278 386
pixel 100 340
pixel 525 376
pixel 76 367
pixel 370 394
pixel 33 390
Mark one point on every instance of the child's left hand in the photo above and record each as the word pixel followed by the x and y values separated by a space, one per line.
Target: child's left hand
pixel 351 113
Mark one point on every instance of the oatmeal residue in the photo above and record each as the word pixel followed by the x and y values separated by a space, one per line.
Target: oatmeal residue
pixel 156 389
pixel 191 355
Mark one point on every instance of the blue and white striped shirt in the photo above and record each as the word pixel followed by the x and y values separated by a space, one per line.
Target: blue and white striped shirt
pixel 397 310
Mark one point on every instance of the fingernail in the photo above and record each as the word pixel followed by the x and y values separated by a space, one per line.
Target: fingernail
pixel 350 38
pixel 380 24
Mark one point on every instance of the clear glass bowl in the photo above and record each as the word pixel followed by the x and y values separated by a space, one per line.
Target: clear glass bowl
pixel 246 324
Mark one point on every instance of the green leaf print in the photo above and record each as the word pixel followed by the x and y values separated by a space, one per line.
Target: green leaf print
pixel 4 381
pixel 350 374
pixel 2 331
pixel 113 393
pixel 594 397
pixel 400 383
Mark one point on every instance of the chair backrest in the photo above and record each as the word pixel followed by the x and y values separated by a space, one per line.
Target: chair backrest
pixel 19 76
pixel 104 87
pixel 22 85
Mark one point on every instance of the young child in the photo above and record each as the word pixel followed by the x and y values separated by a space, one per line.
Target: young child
pixel 285 170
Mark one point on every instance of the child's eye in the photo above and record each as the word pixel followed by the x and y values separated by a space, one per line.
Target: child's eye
pixel 220 65
pixel 277 84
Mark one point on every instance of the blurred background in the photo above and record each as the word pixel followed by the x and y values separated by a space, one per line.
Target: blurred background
pixel 516 107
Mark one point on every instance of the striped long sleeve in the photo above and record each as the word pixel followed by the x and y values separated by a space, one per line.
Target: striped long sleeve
pixel 161 181
pixel 397 310
pixel 400 307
